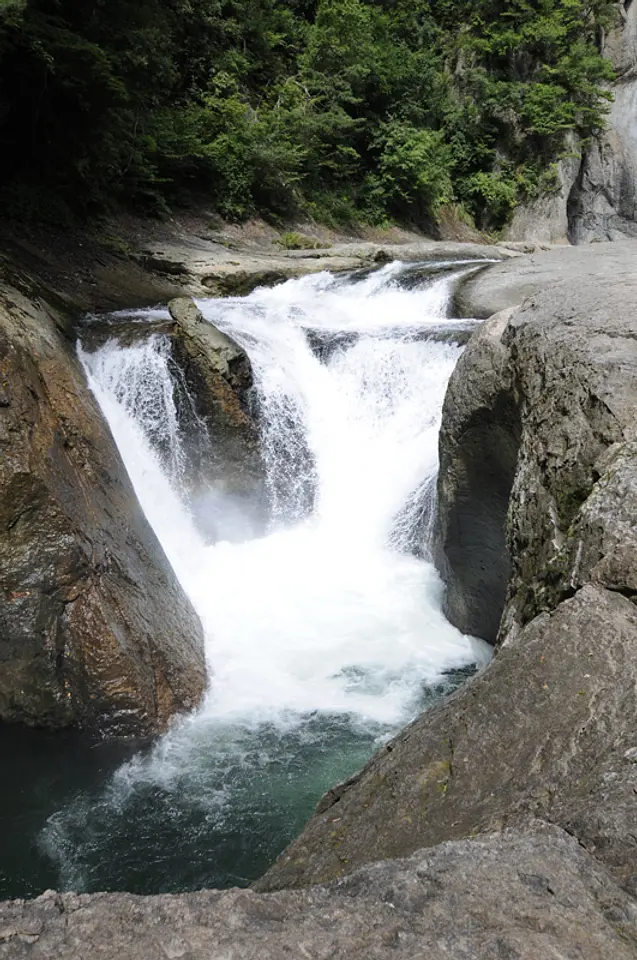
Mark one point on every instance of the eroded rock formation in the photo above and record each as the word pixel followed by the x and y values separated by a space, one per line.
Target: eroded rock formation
pixel 567 362
pixel 94 627
pixel 479 442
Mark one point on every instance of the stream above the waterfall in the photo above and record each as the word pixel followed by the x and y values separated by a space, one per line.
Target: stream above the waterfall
pixel 323 619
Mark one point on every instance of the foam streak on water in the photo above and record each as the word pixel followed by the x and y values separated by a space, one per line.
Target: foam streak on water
pixel 321 636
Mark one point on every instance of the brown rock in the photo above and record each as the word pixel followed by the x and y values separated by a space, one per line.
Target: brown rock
pixel 94 628
pixel 218 376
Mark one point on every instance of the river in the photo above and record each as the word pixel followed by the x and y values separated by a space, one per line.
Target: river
pixel 325 632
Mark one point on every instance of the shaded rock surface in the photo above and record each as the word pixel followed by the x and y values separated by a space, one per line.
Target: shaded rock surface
pixel 516 896
pixel 94 628
pixel 507 284
pixel 218 378
pixel 479 442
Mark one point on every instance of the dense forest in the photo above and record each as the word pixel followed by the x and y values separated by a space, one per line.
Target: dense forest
pixel 342 110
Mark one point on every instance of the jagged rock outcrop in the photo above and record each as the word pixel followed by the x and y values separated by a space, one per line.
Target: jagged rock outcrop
pixel 218 376
pixel 502 285
pixel 543 405
pixel 595 197
pixel 94 627
pixel 522 895
pixel 602 203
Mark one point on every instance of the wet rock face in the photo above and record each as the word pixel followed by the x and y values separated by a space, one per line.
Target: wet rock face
pixel 218 377
pixel 519 896
pixel 94 628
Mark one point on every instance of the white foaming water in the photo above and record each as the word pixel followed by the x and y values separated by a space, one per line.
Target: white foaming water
pixel 330 614
pixel 323 635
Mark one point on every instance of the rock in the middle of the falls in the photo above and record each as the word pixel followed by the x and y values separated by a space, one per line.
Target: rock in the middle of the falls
pixel 218 377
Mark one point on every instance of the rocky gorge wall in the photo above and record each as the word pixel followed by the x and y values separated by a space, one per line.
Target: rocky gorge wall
pixel 595 197
pixel 94 628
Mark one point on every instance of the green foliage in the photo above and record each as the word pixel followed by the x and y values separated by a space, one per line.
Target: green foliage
pixel 494 191
pixel 298 241
pixel 341 109
pixel 413 178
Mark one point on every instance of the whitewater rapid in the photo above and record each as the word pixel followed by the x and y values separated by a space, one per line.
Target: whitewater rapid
pixel 325 633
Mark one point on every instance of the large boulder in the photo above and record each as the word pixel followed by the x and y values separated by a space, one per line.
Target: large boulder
pixel 556 387
pixel 542 406
pixel 94 627
pixel 507 284
pixel 219 379
pixel 525 895
pixel 479 441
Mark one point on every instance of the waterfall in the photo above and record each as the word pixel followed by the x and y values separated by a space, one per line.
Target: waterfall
pixel 324 635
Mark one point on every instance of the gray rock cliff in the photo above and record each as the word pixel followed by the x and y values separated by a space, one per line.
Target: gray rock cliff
pixel 596 191
pixel 602 203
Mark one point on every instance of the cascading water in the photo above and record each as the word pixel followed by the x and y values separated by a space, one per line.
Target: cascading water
pixel 325 634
